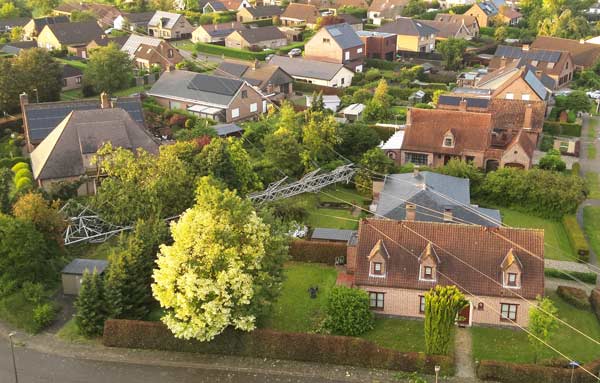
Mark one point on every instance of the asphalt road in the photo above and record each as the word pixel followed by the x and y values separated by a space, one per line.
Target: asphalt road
pixel 36 367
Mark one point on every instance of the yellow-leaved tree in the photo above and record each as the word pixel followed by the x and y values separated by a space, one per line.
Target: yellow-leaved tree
pixel 223 269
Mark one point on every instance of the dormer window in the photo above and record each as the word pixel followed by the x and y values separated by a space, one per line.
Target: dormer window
pixel 378 259
pixel 429 262
pixel 511 271
pixel 428 272
pixel 448 140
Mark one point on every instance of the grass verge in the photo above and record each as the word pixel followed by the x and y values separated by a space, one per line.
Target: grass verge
pixel 593 183
pixel 591 151
pixel 70 333
pixel 591 226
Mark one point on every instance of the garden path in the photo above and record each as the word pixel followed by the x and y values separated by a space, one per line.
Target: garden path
pixel 463 354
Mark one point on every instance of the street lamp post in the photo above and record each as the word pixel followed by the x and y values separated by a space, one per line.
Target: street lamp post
pixel 437 373
pixel 12 350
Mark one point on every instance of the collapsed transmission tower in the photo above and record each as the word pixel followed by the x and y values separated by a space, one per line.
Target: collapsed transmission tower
pixel 85 225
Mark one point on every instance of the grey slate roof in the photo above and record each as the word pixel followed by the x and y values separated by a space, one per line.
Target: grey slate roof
pixel 307 68
pixel 71 71
pixel 196 87
pixel 6 24
pixel 258 35
pixel 233 68
pixel 76 33
pixel 15 47
pixel 79 265
pixel 44 117
pixel 40 23
pixel 472 102
pixel 537 54
pixel 408 27
pixel 139 17
pixel 224 130
pixel 134 41
pixel 419 189
pixel 265 11
pixel 344 35
pixel 326 234
pixel 168 19
pixel 82 133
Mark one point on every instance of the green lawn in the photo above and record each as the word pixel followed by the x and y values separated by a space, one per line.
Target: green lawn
pixel 557 244
pixel 74 63
pixel 591 151
pixel 186 45
pixel 591 225
pixel 75 94
pixel 332 218
pixel 92 250
pixel 592 128
pixel 513 345
pixel 335 218
pixel 70 333
pixel 398 334
pixel 294 310
pixel 593 183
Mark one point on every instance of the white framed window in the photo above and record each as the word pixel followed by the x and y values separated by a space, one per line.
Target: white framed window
pixel 346 55
pixel 359 50
pixel 525 97
pixel 510 96
pixel 417 158
pixel 377 267
pixel 235 113
pixel 376 300
pixel 508 312
pixel 421 304
pixel 253 107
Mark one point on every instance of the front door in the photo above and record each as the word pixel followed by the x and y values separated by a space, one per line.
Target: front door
pixel 464 316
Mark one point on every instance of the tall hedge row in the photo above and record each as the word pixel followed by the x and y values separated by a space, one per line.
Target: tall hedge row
pixel 576 237
pixel 562 128
pixel 317 251
pixel 506 372
pixel 272 344
pixel 230 52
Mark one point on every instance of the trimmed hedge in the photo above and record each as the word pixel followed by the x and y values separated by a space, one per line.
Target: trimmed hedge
pixel 562 129
pixel 259 23
pixel 595 302
pixel 576 237
pixel 10 162
pixel 507 372
pixel 384 64
pixel 317 251
pixel 584 277
pixel 301 86
pixel 230 52
pixel 574 296
pixel 272 344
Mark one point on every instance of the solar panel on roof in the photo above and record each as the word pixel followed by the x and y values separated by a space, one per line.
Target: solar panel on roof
pixel 214 84
pixel 335 32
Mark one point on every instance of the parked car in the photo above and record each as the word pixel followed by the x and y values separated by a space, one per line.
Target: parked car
pixel 594 94
pixel 295 52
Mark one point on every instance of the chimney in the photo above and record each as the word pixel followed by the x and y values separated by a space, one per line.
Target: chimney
pixel 525 48
pixel 448 214
pixel 24 99
pixel 104 101
pixel 462 105
pixel 408 118
pixel 411 211
pixel 527 123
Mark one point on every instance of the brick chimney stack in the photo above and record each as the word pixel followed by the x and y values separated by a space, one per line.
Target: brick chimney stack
pixel 104 101
pixel 411 211
pixel 527 121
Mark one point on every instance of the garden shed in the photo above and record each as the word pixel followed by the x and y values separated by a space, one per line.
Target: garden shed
pixel 73 272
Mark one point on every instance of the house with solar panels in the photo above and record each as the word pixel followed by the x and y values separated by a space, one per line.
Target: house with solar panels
pixel 494 11
pixel 337 43
pixel 67 153
pixel 555 64
pixel 168 25
pixel 221 99
pixel 39 119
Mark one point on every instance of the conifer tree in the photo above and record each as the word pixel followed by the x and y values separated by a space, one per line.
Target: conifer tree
pixel 442 305
pixel 91 312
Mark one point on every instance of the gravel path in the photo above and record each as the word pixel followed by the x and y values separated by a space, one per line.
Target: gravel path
pixel 463 346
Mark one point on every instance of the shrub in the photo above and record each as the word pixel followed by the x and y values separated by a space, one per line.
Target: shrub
pixel 272 344
pixel 23 184
pixel 562 128
pixel 576 237
pixel 23 173
pixel 18 166
pixel 348 312
pixel 571 275
pixel 595 302
pixel 10 162
pixel 43 315
pixel 574 296
pixel 576 169
pixel 317 251
pixel 571 116
pixel 33 292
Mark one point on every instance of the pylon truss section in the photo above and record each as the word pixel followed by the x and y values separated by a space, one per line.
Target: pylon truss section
pixel 85 225
pixel 310 183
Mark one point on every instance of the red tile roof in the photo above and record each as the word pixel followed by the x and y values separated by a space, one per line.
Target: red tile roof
pixel 482 248
pixel 426 129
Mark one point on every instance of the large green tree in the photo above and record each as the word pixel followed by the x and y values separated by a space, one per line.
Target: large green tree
pixel 282 150
pixel 356 139
pixel 373 163
pixel 44 215
pixel 542 321
pixel 442 305
pixel 129 274
pixel 5 186
pixel 452 51
pixel 319 138
pixel 8 10
pixel 109 69
pixel 565 25
pixel 223 268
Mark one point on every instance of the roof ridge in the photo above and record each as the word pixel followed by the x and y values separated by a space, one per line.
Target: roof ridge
pixel 64 123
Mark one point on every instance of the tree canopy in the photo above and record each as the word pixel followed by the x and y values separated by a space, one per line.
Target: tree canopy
pixel 109 69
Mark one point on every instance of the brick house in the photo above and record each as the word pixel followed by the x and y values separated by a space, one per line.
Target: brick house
pixel 297 14
pixel 32 29
pixel 105 14
pixel 214 33
pixel 272 80
pixel 412 35
pixel 500 133
pixel 488 13
pixel 583 54
pixel 381 10
pixel 74 37
pixel 256 38
pixel 468 21
pixel 515 81
pixel 397 262
pixel 218 98
pixel 337 43
pixel 331 75
pixel 164 55
pixel 447 30
pixel 268 12
pixel 71 78
pixel 554 63
pixel 379 45
pixel 169 25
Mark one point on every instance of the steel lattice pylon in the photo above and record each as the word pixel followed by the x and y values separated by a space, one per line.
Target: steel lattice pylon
pixel 86 225
pixel 311 182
